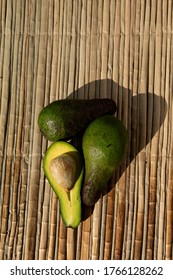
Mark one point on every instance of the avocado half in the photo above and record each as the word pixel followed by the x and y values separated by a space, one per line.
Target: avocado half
pixel 71 170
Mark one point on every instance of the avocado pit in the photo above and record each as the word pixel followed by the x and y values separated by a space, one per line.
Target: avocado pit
pixel 63 169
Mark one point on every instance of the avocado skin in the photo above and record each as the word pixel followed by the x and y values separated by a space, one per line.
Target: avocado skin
pixel 70 202
pixel 62 119
pixel 104 144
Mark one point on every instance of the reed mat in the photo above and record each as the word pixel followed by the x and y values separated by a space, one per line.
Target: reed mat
pixel 52 50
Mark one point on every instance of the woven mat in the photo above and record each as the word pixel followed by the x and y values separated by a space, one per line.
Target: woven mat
pixel 123 50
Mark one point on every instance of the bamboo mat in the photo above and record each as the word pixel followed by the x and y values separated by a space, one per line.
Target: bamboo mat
pixel 83 49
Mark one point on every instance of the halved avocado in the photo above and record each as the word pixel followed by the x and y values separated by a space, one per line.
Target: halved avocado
pixel 63 167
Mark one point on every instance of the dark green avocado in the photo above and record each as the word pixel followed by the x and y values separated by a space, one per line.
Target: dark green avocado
pixel 62 119
pixel 63 168
pixel 104 144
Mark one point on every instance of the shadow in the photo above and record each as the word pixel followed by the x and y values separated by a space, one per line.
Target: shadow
pixel 143 114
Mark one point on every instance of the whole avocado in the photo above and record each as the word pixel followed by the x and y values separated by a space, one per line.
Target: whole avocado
pixel 104 144
pixel 62 119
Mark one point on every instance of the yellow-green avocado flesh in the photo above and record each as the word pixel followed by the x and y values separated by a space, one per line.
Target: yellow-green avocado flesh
pixel 70 200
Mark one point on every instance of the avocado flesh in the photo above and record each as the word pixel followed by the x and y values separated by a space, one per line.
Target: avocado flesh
pixel 105 144
pixel 70 200
pixel 62 119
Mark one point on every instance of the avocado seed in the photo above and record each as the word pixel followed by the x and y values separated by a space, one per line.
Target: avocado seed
pixel 63 169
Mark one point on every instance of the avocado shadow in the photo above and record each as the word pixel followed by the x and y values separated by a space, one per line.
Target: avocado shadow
pixel 142 114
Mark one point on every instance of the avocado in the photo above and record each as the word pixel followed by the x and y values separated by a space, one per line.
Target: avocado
pixel 104 144
pixel 62 119
pixel 63 167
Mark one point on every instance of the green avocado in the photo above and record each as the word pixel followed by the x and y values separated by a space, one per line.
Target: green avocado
pixel 63 167
pixel 62 119
pixel 104 144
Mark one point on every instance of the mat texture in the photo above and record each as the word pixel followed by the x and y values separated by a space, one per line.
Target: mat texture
pixel 52 50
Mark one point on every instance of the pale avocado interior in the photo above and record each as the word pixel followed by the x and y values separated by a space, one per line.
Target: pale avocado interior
pixel 70 201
